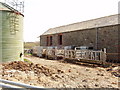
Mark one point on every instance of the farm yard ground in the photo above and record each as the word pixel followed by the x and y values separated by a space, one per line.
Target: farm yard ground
pixel 56 74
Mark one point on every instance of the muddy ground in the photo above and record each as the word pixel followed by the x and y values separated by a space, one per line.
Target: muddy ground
pixel 56 74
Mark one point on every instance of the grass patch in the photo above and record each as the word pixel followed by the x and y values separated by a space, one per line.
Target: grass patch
pixel 26 60
pixel 27 54
pixel 30 45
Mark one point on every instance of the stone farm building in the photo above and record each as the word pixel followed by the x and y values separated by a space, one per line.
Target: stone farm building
pixel 97 33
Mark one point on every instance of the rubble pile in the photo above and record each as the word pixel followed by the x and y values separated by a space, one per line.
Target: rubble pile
pixel 52 74
pixel 36 68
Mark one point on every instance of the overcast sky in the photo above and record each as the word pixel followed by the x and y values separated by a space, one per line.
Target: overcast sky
pixel 40 15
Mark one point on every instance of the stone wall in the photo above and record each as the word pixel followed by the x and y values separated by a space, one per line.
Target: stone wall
pixel 98 38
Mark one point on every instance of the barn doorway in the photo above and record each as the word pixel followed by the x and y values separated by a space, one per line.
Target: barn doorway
pixel 50 40
pixel 60 39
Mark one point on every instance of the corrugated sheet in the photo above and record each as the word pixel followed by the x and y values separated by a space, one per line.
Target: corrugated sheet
pixel 99 22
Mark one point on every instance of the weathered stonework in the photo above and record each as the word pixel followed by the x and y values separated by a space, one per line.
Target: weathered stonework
pixel 104 36
pixel 107 38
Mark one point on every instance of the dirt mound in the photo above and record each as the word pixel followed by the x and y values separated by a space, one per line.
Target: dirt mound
pixel 53 74
pixel 23 66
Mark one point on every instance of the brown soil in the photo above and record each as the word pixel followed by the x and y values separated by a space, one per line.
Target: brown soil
pixel 55 74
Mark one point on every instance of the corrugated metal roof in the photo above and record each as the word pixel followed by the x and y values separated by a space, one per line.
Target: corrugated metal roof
pixel 6 7
pixel 2 7
pixel 99 22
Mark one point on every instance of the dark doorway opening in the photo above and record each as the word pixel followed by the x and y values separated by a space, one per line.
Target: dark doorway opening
pixel 51 40
pixel 60 39
pixel 47 41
